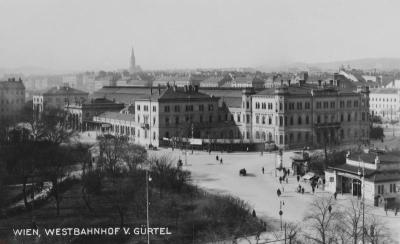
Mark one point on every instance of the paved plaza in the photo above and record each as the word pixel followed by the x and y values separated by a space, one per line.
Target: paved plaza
pixel 258 189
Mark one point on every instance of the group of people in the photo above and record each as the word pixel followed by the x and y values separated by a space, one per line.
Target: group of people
pixel 219 159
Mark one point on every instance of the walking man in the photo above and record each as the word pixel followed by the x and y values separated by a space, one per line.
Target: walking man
pixel 335 195
pixel 262 170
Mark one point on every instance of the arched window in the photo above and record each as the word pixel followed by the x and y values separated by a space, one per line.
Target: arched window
pixel 263 120
pixel 263 136
pixel 269 136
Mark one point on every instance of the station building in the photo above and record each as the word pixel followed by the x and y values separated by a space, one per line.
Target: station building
pixel 379 171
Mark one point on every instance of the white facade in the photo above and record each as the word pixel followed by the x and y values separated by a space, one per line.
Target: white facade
pixel 385 103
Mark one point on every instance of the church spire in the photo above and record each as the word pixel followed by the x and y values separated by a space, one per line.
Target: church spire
pixel 133 61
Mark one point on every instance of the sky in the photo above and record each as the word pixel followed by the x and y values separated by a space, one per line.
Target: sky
pixel 171 34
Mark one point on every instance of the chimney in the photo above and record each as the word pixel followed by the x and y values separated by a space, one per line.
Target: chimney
pixel 377 161
pixel 319 82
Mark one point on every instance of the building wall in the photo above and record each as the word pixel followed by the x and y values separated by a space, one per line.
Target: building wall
pixel 386 105
pixel 12 98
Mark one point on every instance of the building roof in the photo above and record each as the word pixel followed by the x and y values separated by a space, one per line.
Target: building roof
pixel 12 83
pixel 117 116
pixel 232 102
pixel 384 158
pixel 178 93
pixel 64 90
pixel 384 91
pixel 212 80
pixel 370 174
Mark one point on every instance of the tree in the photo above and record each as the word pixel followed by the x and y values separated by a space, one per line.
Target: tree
pixel 321 220
pixel 133 155
pixel 376 133
pixel 351 221
pixel 55 163
pixel 17 153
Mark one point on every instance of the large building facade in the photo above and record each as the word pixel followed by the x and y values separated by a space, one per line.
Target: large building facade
pixel 12 98
pixel 302 115
pixel 289 116
pixel 57 98
pixel 170 116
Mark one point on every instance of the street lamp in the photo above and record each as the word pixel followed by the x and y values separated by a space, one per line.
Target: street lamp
pixel 280 211
pixel 148 179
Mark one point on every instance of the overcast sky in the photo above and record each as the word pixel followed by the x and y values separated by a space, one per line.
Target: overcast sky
pixel 97 34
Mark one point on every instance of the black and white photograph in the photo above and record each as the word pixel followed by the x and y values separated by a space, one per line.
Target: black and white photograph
pixel 199 121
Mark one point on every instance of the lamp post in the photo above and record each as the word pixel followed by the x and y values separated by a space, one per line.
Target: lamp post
pixel 363 201
pixel 148 179
pixel 280 212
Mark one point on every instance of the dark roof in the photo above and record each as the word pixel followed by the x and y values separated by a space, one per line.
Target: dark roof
pixel 391 157
pixel 11 84
pixel 232 102
pixel 64 90
pixel 175 93
pixel 118 116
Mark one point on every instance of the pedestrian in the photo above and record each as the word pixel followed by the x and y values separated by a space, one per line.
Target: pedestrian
pixel 302 190
pixel 287 181
pixel 280 179
pixel 298 178
pixel 216 157
pixel 288 171
pixel 313 189
pixel 254 213
pixel 278 192
pixel 335 195
pixel 397 209
pixel 262 170
pixel 220 161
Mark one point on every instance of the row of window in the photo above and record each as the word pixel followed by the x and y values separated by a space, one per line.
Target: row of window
pixel 188 108
pixel 307 105
pixel 145 108
pixel 383 99
pixel 12 101
pixel 191 118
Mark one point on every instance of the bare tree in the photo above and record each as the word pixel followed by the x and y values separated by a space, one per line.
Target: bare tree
pixel 54 166
pixel 351 221
pixel 321 220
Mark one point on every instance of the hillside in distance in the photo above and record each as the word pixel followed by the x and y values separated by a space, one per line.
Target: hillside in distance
pixel 380 64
